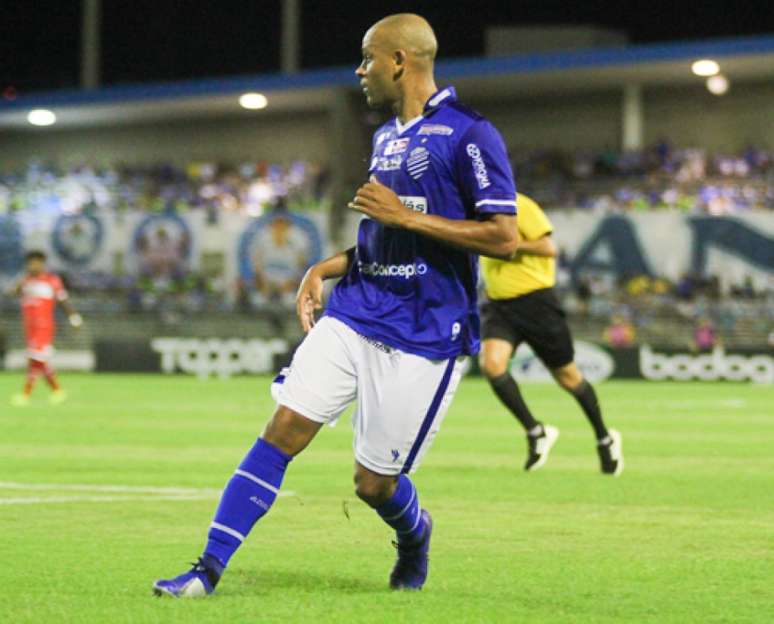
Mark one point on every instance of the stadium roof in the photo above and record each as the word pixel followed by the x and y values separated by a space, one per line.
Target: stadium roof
pixel 744 59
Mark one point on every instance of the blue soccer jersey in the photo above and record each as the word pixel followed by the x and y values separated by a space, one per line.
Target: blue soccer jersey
pixel 412 292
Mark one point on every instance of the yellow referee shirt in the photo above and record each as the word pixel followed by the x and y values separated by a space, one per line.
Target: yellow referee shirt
pixel 506 279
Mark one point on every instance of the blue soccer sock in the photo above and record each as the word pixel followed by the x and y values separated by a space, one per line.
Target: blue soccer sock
pixel 402 512
pixel 247 497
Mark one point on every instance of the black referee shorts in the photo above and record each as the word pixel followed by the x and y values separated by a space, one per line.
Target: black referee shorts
pixel 536 318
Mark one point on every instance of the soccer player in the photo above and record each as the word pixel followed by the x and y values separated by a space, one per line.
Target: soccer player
pixel 522 307
pixel 441 192
pixel 40 291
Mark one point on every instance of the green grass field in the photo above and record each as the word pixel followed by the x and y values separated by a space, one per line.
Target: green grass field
pixel 686 534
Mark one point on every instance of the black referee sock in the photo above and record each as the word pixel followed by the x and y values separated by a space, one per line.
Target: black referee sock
pixel 587 399
pixel 507 390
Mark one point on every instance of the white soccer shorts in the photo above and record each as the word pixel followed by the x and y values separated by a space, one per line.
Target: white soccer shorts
pixel 401 398
pixel 40 353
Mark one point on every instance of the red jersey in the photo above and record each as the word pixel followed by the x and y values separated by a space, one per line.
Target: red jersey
pixel 39 295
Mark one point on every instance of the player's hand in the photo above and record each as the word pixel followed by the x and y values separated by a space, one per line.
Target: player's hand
pixel 381 203
pixel 14 290
pixel 309 298
pixel 76 320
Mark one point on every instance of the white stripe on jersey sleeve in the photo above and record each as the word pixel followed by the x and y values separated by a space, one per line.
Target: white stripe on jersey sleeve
pixel 497 202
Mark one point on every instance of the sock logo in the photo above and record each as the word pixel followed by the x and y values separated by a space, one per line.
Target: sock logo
pixel 260 503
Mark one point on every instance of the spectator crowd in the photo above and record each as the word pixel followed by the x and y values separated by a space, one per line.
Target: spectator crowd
pixel 661 177
pixel 248 188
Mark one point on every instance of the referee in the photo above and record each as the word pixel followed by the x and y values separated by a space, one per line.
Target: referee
pixel 522 306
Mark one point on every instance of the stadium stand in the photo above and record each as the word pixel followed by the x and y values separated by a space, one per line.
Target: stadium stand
pixel 660 177
pixel 248 187
pixel 582 151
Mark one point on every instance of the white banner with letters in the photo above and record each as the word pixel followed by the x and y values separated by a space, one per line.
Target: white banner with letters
pixel 669 244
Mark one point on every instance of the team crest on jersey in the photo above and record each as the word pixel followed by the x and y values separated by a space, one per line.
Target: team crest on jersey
pixel 435 129
pixel 396 146
pixel 418 162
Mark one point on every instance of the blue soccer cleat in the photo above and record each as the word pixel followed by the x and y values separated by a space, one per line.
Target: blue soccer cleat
pixel 199 581
pixel 410 571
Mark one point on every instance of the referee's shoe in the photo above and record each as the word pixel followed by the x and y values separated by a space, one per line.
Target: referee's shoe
pixel 539 446
pixel 610 451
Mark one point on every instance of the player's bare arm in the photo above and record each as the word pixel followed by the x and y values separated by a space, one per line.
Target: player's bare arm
pixel 496 237
pixel 309 296
pixel 543 246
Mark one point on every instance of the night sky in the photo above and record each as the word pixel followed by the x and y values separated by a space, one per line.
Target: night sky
pixel 160 40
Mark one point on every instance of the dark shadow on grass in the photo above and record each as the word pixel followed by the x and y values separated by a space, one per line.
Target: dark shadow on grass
pixel 251 583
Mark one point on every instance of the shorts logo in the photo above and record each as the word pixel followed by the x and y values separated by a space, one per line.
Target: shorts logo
pixel 418 162
pixel 377 345
pixel 395 455
pixel 406 271
pixel 479 168
pixel 435 129
pixel 396 146
pixel 456 331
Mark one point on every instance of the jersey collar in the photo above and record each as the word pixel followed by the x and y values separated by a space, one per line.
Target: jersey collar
pixel 401 128
pixel 439 98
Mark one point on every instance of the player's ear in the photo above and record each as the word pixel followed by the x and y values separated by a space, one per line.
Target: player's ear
pixel 400 63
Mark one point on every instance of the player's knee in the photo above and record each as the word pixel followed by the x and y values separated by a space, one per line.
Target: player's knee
pixel 569 378
pixel 492 366
pixel 374 491
pixel 283 440
pixel 289 432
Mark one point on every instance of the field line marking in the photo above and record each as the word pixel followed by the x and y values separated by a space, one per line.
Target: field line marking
pixel 159 492
pixel 35 500
pixel 140 489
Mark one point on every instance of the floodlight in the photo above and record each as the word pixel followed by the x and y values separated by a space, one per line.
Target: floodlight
pixel 41 117
pixel 705 67
pixel 718 84
pixel 253 101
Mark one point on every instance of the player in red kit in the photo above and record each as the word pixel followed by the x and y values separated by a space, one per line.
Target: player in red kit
pixel 40 291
